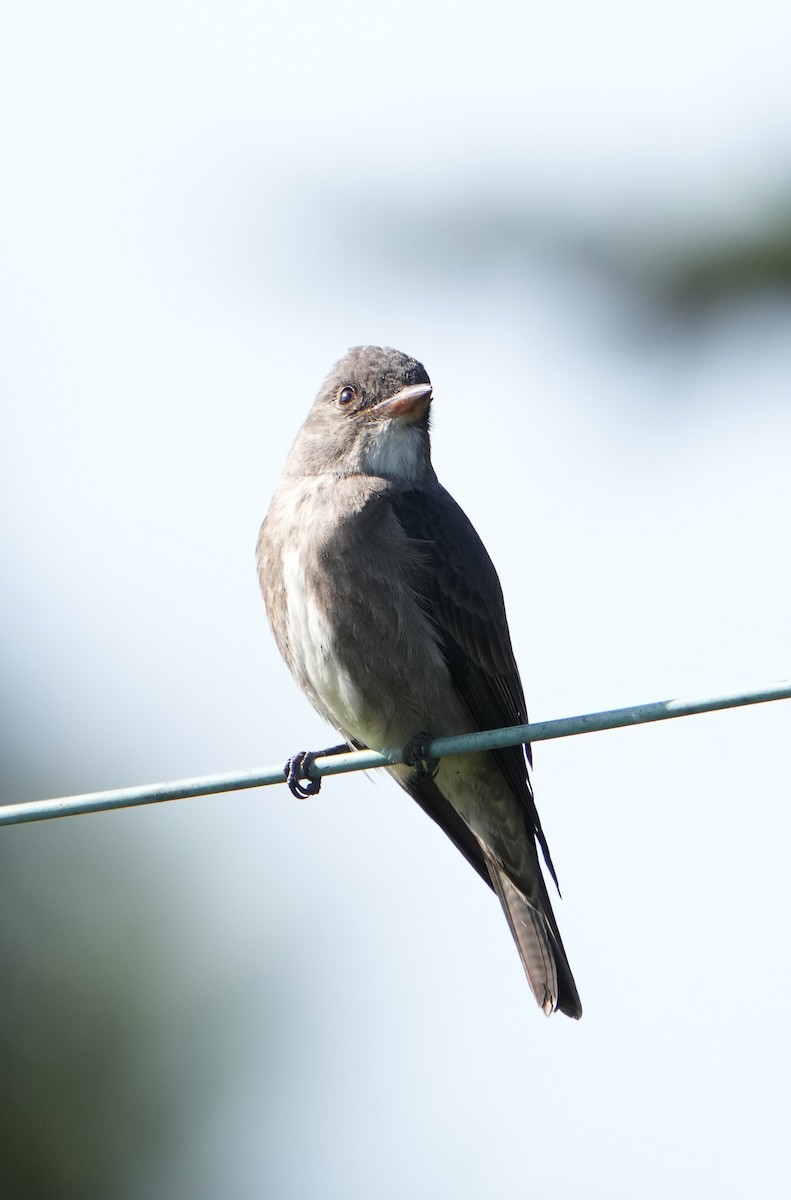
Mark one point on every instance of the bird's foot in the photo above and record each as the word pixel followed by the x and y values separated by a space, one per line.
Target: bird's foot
pixel 298 767
pixel 415 756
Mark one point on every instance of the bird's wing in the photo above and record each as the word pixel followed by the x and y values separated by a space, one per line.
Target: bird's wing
pixel 463 597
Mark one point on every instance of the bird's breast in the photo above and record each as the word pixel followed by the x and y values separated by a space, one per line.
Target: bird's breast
pixel 319 659
pixel 357 637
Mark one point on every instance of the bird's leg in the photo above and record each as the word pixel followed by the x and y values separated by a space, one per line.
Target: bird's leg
pixel 298 768
pixel 415 756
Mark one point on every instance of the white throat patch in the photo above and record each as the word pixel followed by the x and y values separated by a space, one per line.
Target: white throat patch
pixel 397 451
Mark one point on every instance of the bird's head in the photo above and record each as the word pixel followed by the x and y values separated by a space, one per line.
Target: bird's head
pixel 370 417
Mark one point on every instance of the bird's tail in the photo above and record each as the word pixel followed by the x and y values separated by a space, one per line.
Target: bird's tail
pixel 537 938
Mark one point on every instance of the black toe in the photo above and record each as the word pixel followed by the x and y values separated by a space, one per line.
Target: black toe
pixel 297 769
pixel 415 756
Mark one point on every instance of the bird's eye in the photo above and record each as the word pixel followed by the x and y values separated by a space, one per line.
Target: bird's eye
pixel 345 396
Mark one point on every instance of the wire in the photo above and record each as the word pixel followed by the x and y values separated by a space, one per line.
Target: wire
pixel 365 760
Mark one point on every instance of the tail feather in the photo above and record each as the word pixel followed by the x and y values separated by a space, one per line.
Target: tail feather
pixel 537 938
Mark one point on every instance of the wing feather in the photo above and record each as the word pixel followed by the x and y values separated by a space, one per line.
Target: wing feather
pixel 462 594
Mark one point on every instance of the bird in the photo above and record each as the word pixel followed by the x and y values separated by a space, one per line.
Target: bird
pixel 389 613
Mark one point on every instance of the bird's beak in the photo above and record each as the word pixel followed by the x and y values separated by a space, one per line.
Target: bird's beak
pixel 409 404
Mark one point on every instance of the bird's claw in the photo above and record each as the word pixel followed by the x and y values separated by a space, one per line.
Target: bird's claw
pixel 415 756
pixel 297 769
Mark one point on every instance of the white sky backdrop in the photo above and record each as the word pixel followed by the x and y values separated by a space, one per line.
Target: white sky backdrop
pixel 177 276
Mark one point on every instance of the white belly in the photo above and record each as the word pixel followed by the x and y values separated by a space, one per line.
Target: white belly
pixel 311 639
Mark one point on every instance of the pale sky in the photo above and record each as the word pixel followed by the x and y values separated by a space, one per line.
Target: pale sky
pixel 180 186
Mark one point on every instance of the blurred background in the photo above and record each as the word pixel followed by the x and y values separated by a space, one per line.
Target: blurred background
pixel 579 218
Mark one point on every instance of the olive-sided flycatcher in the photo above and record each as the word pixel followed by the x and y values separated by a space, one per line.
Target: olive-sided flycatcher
pixel 389 613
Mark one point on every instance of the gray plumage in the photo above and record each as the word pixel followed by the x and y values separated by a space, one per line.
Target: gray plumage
pixel 389 613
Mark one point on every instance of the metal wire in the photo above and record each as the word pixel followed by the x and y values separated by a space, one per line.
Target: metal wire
pixel 365 760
